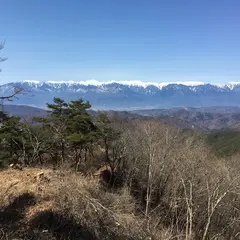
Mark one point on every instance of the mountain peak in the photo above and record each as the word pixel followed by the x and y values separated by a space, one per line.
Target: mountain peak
pixel 129 94
pixel 138 83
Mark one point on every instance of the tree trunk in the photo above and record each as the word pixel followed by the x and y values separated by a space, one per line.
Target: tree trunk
pixel 107 151
pixel 78 158
pixel 62 153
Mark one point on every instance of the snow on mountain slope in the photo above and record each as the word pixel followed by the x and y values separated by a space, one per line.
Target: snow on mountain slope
pixel 93 82
pixel 128 94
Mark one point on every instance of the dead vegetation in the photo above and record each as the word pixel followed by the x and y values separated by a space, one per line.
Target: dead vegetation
pixel 63 205
pixel 159 183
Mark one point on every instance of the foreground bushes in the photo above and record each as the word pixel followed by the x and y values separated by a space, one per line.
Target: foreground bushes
pixel 61 205
pixel 179 182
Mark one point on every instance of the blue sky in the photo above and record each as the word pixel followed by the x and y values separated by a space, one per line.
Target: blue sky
pixel 154 40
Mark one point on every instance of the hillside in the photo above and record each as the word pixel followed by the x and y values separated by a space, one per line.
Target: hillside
pixel 189 118
pixel 25 111
pixel 80 174
pixel 28 113
pixel 46 204
pixel 205 118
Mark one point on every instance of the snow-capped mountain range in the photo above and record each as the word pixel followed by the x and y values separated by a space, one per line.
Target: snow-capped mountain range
pixel 127 94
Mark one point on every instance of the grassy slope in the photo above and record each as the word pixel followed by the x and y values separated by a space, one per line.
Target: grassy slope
pixel 45 204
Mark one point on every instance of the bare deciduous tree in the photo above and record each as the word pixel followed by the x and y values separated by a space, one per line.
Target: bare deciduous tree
pixel 2 58
pixel 16 91
pixel 12 96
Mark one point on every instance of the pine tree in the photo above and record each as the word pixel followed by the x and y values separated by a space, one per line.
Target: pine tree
pixel 82 131
pixel 72 130
pixel 108 136
pixel 56 128
pixel 11 139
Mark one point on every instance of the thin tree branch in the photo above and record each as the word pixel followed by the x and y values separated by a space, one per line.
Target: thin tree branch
pixel 10 98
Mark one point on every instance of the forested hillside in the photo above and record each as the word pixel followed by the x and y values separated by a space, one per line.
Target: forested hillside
pixel 198 118
pixel 208 118
pixel 76 175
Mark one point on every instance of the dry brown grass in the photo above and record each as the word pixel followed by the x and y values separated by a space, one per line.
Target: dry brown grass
pixel 17 182
pixel 64 195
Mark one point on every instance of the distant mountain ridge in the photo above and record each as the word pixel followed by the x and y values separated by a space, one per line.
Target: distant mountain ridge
pixel 28 113
pixel 208 118
pixel 24 111
pixel 128 94
pixel 205 118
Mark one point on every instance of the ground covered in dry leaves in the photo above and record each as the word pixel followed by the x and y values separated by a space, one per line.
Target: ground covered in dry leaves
pixel 46 204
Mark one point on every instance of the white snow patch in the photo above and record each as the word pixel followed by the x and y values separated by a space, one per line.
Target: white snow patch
pixel 32 81
pixel 137 83
pixel 230 85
